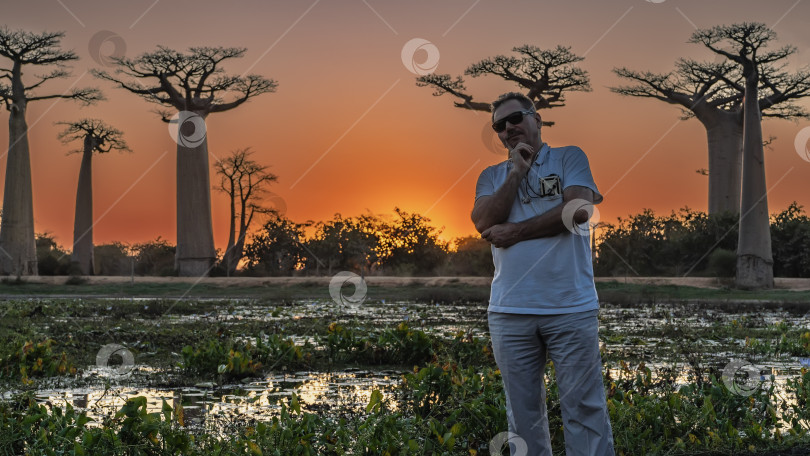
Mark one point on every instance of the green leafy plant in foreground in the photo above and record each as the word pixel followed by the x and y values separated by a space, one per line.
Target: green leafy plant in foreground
pixel 35 360
pixel 438 409
pixel 239 359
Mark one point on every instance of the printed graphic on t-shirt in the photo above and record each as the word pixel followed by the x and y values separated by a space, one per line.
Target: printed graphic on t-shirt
pixel 550 186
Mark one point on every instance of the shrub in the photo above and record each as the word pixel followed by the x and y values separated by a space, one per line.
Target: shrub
pixel 52 259
pixel 154 258
pixel 722 263
pixel 35 360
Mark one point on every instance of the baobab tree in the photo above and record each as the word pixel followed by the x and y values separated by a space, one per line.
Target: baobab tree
pixel 544 75
pixel 96 137
pixel 24 49
pixel 712 92
pixel 195 84
pixel 245 182
pixel 748 43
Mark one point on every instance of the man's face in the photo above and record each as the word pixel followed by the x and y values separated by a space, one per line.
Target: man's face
pixel 526 131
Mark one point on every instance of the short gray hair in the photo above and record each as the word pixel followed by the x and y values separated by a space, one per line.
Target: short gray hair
pixel 524 101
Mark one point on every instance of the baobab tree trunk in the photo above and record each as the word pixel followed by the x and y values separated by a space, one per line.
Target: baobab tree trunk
pixel 83 220
pixel 17 244
pixel 754 254
pixel 195 235
pixel 236 245
pixel 230 264
pixel 239 248
pixel 725 138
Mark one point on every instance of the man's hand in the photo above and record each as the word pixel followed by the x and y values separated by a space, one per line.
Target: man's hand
pixel 522 156
pixel 503 235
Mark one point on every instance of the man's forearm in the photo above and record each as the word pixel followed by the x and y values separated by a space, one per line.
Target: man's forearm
pixel 495 208
pixel 546 224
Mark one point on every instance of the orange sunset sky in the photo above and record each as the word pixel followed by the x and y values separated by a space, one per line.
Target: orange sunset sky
pixel 348 130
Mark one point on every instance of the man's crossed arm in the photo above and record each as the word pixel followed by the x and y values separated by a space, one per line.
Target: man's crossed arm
pixel 491 212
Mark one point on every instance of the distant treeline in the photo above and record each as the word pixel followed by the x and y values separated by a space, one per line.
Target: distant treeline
pixel 694 243
pixel 687 242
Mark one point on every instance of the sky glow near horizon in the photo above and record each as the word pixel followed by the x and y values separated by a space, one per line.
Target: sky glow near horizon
pixel 348 131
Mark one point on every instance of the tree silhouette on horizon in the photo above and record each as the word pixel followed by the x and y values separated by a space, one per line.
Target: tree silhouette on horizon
pixel 195 84
pixel 544 75
pixel 748 42
pixel 23 49
pixel 713 93
pixel 96 137
pixel 244 181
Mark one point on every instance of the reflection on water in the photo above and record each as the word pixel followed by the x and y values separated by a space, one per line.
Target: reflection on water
pixel 650 333
pixel 429 317
pixel 210 407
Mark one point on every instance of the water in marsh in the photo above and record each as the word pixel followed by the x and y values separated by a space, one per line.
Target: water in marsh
pixel 689 338
pixel 215 407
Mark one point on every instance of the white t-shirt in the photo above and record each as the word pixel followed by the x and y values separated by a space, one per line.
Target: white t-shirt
pixel 548 275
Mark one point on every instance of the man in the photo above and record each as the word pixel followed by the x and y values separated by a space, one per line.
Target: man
pixel 534 208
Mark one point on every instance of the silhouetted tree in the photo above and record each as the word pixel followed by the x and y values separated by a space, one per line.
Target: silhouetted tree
pixel 790 231
pixel 345 243
pixel 648 245
pixel 112 259
pixel 52 259
pixel 713 93
pixel 277 249
pixel 195 84
pixel 244 181
pixel 747 43
pixel 154 258
pixel 410 245
pixel 544 75
pixel 26 49
pixel 97 137
pixel 472 257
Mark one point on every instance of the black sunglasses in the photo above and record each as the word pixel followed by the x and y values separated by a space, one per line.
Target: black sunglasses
pixel 514 119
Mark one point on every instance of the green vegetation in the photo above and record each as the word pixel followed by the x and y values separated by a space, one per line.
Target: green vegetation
pixel 35 360
pixel 413 289
pixel 439 409
pixel 695 243
pixel 400 345
pixel 687 242
pixel 449 398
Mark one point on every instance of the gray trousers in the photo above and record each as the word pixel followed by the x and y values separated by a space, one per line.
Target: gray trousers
pixel 519 343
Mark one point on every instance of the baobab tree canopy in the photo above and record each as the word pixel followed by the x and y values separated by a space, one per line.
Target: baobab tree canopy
pixel 245 182
pixel 103 137
pixel 192 81
pixel 713 93
pixel 23 49
pixel 749 50
pixel 96 137
pixel 194 84
pixel 545 75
